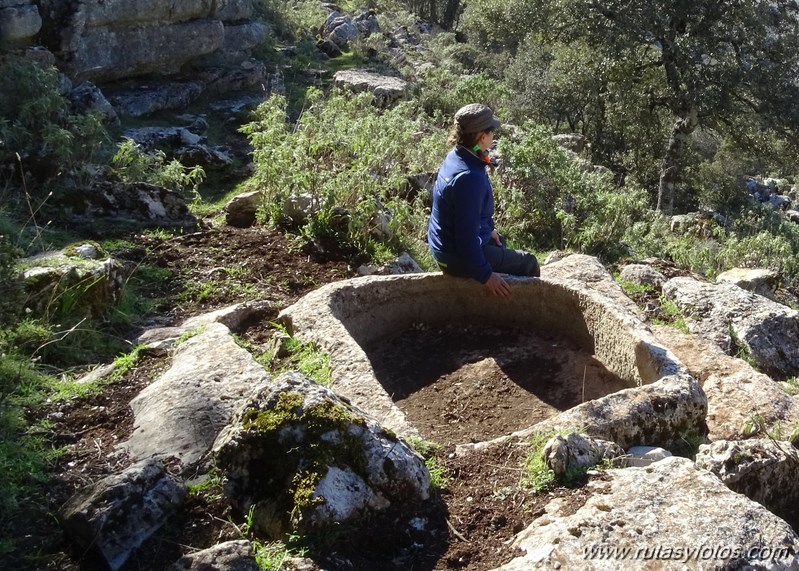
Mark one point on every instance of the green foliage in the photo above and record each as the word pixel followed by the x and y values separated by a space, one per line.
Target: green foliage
pixel 350 161
pixel 35 119
pixel 537 475
pixel 295 355
pixel 11 289
pixel 131 164
pixel 442 92
pixel 756 237
pixel 543 196
pixel 671 315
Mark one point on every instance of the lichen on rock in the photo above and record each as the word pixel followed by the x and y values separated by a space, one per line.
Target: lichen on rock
pixel 298 457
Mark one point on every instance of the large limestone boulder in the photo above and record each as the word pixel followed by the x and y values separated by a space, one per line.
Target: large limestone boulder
pixel 735 391
pixel 117 514
pixel 19 22
pixel 69 283
pixel 386 89
pixel 297 457
pixel 643 275
pixel 760 281
pixel 183 411
pixel 763 470
pixel 670 515
pixel 735 319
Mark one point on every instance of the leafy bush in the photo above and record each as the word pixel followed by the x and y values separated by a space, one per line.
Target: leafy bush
pixel 10 281
pixel 350 161
pixel 35 119
pixel 131 164
pixel 545 197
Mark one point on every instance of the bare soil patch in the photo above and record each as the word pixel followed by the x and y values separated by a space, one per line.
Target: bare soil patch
pixel 484 382
pixel 472 383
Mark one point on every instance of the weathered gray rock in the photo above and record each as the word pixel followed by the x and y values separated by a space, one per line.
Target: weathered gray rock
pixel 134 203
pixel 589 271
pixel 87 98
pixel 402 264
pixel 152 138
pixel 119 12
pixel 339 29
pixel 574 451
pixel 658 414
pixel 735 391
pixel 733 318
pixel 233 10
pixel 760 281
pixel 642 456
pixel 117 514
pixel 642 274
pixel 160 96
pixel 233 317
pixel 104 53
pixel 761 469
pixel 366 22
pixel 183 411
pixel 301 458
pixel 386 89
pixel 19 23
pixel 329 48
pixel 245 37
pixel 228 556
pixel 209 158
pixel 57 283
pixel 240 211
pixel 670 515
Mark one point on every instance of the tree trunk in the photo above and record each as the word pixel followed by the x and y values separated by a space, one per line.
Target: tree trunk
pixel 680 133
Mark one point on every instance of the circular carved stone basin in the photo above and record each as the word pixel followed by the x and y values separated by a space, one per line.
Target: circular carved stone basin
pixel 473 383
pixel 563 324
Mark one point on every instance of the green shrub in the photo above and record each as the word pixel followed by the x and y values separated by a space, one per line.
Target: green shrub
pixel 35 119
pixel 131 164
pixel 545 198
pixel 10 281
pixel 351 160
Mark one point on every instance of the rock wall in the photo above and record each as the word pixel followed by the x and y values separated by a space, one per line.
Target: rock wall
pixel 116 39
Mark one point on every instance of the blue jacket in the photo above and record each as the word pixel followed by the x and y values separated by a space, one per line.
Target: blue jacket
pixel 461 221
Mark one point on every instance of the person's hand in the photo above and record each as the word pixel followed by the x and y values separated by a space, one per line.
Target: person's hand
pixel 498 286
pixel 495 237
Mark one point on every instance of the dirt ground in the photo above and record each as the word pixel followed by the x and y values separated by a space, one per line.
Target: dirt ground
pixel 475 384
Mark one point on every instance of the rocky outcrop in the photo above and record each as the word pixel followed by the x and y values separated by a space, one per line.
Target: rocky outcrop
pixel 643 275
pixel 137 204
pixel 20 21
pixel 386 89
pixel 735 319
pixel 242 208
pixel 117 514
pixel 297 457
pixel 115 39
pixel 763 470
pixel 664 413
pixel 760 281
pixel 735 391
pixel 71 282
pixel 670 515
pixel 184 410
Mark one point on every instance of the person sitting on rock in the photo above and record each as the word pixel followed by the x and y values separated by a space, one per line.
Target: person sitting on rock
pixel 461 233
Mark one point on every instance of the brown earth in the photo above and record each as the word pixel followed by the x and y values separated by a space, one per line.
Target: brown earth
pixel 475 383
